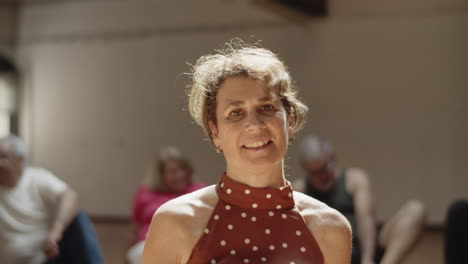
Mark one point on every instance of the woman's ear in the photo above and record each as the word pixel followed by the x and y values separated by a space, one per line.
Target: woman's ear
pixel 214 135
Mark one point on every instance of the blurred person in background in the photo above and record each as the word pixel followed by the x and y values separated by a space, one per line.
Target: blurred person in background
pixel 169 177
pixel 39 217
pixel 456 233
pixel 349 191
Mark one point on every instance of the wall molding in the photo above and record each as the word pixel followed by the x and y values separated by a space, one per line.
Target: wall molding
pixel 148 33
pixel 48 2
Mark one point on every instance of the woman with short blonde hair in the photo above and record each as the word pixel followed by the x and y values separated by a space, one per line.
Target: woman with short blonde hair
pixel 244 99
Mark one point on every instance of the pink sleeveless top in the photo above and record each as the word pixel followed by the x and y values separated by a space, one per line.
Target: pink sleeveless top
pixel 255 225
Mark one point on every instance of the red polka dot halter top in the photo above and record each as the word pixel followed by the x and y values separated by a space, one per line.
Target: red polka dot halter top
pixel 255 225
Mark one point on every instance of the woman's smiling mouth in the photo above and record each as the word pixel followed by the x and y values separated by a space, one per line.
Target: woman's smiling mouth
pixel 257 145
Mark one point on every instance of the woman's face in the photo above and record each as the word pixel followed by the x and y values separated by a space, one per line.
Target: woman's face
pixel 176 176
pixel 252 123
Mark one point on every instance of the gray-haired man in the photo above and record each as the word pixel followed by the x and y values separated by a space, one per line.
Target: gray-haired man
pixel 348 190
pixel 38 213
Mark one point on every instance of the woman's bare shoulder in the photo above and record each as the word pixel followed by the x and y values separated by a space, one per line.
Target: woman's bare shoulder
pixel 330 228
pixel 191 209
pixel 177 226
pixel 318 213
pixel 305 202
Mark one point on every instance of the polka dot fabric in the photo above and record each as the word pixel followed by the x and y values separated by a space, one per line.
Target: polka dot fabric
pixel 255 225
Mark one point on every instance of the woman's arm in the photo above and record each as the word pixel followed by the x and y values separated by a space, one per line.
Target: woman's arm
pixel 165 239
pixel 330 229
pixel 333 234
pixel 177 226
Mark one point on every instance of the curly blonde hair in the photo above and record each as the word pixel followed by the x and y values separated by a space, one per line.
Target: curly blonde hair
pixel 239 59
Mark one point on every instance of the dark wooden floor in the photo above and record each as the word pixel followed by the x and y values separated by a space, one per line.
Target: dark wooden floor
pixel 113 236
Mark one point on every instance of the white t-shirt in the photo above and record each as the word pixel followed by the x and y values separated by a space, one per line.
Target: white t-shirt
pixel 25 216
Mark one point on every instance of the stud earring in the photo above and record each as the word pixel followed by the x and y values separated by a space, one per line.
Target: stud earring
pixel 219 149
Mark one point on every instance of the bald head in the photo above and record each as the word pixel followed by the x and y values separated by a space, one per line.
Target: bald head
pixel 314 148
pixel 13 145
pixel 317 159
pixel 12 160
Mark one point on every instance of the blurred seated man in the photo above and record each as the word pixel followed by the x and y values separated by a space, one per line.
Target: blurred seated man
pixel 39 219
pixel 456 233
pixel 169 176
pixel 348 190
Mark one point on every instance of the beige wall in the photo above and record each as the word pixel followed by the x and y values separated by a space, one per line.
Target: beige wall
pixel 392 96
pixel 104 90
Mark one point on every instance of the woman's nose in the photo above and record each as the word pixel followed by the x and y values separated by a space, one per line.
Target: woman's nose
pixel 254 121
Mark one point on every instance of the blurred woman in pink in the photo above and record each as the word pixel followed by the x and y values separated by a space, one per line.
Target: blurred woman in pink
pixel 169 178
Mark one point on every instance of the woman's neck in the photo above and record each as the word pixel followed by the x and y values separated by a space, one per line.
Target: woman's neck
pixel 258 177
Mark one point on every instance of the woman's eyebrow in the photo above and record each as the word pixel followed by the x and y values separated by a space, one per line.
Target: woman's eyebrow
pixel 266 99
pixel 233 103
pixel 239 102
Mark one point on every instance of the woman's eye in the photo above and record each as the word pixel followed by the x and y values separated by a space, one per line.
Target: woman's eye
pixel 235 113
pixel 268 107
